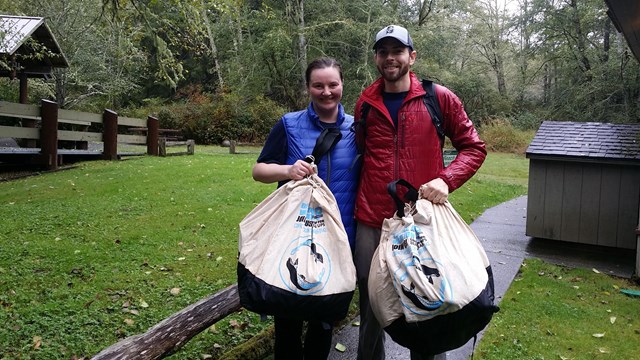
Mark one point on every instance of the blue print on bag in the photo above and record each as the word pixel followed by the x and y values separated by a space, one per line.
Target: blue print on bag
pixel 410 248
pixel 305 250
pixel 310 219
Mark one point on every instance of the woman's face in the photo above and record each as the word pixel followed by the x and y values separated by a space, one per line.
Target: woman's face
pixel 325 89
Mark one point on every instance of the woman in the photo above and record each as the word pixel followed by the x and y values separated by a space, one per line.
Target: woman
pixel 282 159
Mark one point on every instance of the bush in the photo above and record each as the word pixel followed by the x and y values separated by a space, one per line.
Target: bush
pixel 526 121
pixel 500 135
pixel 211 119
pixel 244 120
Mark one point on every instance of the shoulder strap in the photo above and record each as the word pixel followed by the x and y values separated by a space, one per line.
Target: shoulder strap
pixel 327 139
pixel 433 106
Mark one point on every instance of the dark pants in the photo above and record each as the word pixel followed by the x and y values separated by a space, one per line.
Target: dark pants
pixel 371 336
pixel 288 343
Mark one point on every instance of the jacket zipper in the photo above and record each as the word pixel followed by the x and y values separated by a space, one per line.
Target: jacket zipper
pixel 396 171
pixel 328 168
pixel 397 139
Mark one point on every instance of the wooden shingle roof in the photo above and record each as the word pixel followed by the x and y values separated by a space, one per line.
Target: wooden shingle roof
pixel 586 141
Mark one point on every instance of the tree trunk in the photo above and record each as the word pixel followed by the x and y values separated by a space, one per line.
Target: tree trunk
pixel 606 45
pixel 61 83
pixel 302 51
pixel 426 6
pixel 583 60
pixel 166 337
pixel 546 85
pixel 502 83
pixel 214 49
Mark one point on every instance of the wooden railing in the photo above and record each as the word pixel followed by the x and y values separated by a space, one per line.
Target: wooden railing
pixel 48 134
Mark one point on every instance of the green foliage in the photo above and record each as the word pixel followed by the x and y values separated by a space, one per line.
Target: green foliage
pixel 500 135
pixel 553 312
pixel 526 121
pixel 9 90
pixel 211 119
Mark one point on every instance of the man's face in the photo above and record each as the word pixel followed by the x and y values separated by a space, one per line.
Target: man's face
pixel 393 59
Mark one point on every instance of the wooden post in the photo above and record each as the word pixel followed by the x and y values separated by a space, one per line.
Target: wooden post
pixel 232 147
pixel 162 146
pixel 638 247
pixel 153 130
pixel 49 134
pixel 191 146
pixel 82 145
pixel 110 135
pixel 24 94
pixel 24 98
pixel 638 252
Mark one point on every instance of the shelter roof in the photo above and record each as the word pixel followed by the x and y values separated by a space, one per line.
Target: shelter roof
pixel 587 140
pixel 625 15
pixel 18 51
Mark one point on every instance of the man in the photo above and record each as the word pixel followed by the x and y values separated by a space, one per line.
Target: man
pixel 401 141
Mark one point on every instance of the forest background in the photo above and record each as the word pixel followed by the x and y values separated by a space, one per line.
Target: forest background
pixel 228 69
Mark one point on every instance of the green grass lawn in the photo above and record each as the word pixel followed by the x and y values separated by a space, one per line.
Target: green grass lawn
pixel 106 250
pixel 553 312
pixel 91 255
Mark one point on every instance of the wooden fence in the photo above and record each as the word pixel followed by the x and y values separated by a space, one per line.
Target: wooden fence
pixel 114 130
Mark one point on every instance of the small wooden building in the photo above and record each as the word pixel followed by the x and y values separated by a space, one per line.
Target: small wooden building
pixel 584 183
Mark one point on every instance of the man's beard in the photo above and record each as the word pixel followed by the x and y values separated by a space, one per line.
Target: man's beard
pixel 402 71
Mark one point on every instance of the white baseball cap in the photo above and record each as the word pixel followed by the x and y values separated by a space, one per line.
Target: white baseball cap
pixel 394 31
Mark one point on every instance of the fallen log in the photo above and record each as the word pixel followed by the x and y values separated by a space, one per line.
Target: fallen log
pixel 170 334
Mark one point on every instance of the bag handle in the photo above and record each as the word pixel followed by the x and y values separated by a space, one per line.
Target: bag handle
pixel 327 139
pixel 410 196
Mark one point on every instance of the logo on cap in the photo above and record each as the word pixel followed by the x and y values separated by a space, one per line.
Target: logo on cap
pixel 389 29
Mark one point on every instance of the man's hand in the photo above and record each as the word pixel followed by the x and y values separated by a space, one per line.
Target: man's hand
pixel 436 191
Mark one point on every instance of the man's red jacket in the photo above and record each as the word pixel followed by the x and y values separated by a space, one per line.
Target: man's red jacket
pixel 412 150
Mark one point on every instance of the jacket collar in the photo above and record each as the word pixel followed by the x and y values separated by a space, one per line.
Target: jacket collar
pixel 373 94
pixel 316 119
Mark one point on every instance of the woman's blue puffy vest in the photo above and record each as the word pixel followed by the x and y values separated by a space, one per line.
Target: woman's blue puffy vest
pixel 336 168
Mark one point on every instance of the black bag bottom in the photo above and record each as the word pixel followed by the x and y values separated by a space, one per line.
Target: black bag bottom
pixel 446 332
pixel 258 296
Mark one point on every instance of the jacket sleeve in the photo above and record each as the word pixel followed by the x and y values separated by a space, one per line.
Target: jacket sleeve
pixel 464 137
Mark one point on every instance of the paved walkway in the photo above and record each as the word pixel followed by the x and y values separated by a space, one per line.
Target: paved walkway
pixel 501 230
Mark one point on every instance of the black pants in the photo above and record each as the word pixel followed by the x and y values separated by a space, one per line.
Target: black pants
pixel 289 346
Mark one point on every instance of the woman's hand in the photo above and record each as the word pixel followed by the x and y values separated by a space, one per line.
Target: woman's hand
pixel 299 170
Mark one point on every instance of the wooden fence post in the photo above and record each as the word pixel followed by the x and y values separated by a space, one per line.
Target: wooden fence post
pixel 24 91
pixel 49 134
pixel 153 132
pixel 28 143
pixel 82 145
pixel 191 146
pixel 110 135
pixel 162 146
